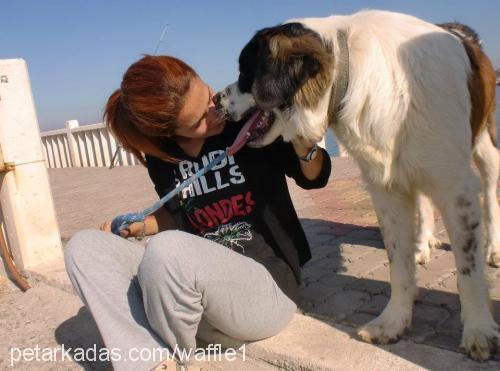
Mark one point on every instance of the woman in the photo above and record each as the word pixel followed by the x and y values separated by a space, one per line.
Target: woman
pixel 227 251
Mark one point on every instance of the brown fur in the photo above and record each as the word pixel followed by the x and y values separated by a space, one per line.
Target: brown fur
pixel 482 89
pixel 284 47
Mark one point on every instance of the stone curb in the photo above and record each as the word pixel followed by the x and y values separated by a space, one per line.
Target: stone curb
pixel 311 344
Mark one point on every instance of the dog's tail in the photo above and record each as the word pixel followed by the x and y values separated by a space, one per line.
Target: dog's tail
pixel 482 82
pixel 462 31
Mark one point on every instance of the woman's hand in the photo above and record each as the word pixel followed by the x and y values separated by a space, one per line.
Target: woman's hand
pixel 106 226
pixel 159 221
pixel 134 230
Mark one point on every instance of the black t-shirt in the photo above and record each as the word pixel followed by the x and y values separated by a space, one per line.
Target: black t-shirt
pixel 242 203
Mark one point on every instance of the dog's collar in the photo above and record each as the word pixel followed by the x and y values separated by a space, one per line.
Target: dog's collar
pixel 339 88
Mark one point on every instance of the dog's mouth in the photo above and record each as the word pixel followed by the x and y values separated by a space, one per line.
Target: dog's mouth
pixel 257 125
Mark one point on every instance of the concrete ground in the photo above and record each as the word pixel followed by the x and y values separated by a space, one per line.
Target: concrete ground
pixel 345 285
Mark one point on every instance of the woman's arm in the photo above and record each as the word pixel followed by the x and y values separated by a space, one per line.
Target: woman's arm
pixel 159 221
pixel 310 169
pixel 307 174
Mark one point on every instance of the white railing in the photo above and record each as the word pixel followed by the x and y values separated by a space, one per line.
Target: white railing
pixel 83 146
pixel 93 146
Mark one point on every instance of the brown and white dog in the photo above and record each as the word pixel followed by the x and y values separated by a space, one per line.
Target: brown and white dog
pixel 413 103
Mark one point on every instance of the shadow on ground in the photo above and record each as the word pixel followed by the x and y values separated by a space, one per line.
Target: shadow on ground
pixel 80 332
pixel 346 283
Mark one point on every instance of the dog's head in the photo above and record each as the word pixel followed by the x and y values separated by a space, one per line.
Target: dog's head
pixel 285 71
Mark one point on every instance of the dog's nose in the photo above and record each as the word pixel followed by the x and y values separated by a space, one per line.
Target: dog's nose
pixel 216 99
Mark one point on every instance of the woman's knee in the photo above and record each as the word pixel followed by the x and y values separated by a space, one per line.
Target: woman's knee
pixel 80 245
pixel 263 327
pixel 167 251
pixel 169 245
pixel 280 317
pixel 93 247
pixel 170 239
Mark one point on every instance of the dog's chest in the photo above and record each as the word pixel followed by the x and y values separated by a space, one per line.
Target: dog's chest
pixel 374 158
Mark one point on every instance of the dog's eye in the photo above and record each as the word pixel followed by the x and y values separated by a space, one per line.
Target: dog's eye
pixel 285 106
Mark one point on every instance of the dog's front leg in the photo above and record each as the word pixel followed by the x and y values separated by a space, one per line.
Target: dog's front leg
pixel 396 214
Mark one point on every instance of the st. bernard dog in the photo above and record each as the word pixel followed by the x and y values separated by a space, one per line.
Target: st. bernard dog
pixel 413 103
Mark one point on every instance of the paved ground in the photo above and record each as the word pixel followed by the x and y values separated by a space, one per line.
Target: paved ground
pixel 347 279
pixel 345 283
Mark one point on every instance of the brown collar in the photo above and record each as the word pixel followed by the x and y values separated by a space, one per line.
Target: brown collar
pixel 340 85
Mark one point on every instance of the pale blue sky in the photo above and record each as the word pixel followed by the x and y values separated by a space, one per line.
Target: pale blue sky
pixel 77 51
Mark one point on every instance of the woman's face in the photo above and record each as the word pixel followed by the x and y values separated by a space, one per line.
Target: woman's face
pixel 198 117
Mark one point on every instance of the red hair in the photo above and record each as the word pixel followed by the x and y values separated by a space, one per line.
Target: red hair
pixel 143 112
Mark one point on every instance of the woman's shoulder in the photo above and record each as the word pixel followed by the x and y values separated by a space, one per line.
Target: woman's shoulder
pixel 154 163
pixel 160 171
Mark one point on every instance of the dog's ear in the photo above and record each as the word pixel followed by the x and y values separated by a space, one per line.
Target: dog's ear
pixel 291 55
pixel 283 78
pixel 249 57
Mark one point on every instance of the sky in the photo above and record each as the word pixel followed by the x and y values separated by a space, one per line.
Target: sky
pixel 78 50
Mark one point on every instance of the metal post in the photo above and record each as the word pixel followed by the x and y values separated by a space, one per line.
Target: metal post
pixel 115 155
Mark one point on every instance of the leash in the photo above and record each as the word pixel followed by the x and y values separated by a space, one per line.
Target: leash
pixel 122 222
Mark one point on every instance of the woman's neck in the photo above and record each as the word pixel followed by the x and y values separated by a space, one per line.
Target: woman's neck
pixel 191 146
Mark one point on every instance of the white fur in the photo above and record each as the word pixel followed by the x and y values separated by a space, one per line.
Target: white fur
pixel 405 120
pixel 239 103
pixel 487 161
pixel 424 236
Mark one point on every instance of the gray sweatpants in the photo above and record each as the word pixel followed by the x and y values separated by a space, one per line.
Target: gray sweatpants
pixel 155 298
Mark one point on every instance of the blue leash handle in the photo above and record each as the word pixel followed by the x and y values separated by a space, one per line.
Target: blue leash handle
pixel 122 222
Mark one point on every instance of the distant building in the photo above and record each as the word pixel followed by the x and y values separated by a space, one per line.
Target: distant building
pixel 498 76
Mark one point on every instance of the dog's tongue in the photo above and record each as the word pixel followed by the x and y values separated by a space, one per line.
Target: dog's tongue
pixel 244 133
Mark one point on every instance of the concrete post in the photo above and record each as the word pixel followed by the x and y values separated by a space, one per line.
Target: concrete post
pixel 26 200
pixel 72 145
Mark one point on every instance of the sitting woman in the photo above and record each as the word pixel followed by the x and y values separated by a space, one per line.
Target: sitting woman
pixel 226 251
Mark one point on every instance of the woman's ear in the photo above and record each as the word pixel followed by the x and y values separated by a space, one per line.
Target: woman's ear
pixel 212 94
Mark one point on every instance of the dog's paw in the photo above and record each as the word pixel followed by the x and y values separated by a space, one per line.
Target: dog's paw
pixel 493 259
pixel 422 256
pixel 423 250
pixel 481 344
pixel 385 329
pixel 434 242
pixel 493 255
pixel 492 249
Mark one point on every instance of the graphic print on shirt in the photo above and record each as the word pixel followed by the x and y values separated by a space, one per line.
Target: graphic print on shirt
pixel 219 197
pixel 230 235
